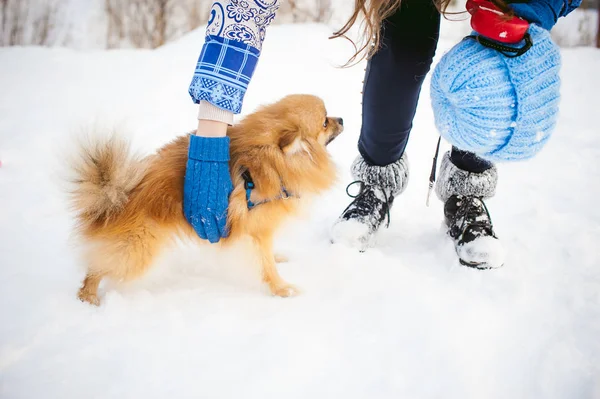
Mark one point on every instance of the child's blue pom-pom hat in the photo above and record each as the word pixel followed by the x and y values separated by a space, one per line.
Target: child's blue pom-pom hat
pixel 500 108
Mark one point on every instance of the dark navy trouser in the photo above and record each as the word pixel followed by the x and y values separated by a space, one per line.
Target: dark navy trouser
pixel 393 81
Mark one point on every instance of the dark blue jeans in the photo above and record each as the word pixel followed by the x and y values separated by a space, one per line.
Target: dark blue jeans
pixel 393 81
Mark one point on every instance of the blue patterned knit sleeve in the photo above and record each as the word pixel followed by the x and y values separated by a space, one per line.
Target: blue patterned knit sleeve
pixel 234 36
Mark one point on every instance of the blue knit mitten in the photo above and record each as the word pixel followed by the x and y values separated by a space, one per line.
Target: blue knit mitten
pixel 545 13
pixel 207 186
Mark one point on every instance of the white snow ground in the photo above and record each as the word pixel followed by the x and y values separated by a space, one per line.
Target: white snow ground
pixel 402 320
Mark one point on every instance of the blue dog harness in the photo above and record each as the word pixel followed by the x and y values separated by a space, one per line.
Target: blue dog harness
pixel 249 186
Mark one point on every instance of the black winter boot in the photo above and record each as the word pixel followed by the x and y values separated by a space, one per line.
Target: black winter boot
pixel 379 185
pixel 466 215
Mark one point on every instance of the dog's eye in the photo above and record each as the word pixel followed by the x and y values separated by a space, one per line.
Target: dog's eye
pixel 326 122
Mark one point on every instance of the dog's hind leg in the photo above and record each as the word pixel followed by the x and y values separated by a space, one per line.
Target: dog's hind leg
pixel 277 284
pixel 123 256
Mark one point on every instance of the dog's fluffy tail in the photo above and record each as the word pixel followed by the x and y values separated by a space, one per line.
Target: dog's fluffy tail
pixel 104 175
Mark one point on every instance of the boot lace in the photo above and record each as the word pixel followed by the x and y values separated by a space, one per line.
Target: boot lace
pixel 470 211
pixel 361 192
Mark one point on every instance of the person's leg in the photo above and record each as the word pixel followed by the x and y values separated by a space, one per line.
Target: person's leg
pixel 468 161
pixel 464 182
pixel 393 81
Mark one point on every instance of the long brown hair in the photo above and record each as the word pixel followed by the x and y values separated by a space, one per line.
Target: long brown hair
pixel 374 12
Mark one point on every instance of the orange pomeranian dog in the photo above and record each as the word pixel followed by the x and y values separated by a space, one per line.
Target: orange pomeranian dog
pixel 130 208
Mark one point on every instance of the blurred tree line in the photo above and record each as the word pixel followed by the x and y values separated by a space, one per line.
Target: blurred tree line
pixel 152 23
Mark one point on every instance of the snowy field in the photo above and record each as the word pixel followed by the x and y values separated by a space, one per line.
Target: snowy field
pixel 402 320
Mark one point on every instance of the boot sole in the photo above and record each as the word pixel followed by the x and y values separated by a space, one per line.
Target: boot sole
pixel 478 266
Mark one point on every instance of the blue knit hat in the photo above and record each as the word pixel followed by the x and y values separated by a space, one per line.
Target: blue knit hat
pixel 500 108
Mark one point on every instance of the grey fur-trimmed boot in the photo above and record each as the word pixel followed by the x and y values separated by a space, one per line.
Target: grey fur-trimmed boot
pixel 379 185
pixel 466 215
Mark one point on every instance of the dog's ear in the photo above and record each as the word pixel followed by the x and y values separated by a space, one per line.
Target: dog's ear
pixel 290 142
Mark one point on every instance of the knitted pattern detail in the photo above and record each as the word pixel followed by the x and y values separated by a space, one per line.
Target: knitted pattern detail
pixel 234 37
pixel 454 181
pixel 207 186
pixel 500 108
pixel 392 178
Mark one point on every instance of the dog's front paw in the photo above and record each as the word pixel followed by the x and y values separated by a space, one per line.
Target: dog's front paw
pixel 88 297
pixel 285 290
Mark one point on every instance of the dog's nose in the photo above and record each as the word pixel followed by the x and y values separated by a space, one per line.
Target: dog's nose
pixel 340 121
